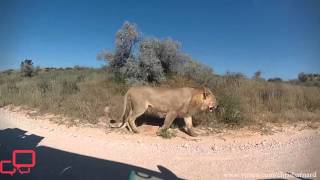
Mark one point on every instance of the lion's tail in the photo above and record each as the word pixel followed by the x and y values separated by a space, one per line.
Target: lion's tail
pixel 126 111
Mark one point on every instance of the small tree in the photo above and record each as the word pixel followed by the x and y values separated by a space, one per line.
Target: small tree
pixel 193 69
pixel 154 60
pixel 126 38
pixel 276 79
pixel 168 55
pixel 149 62
pixel 27 68
pixel 257 75
pixel 302 77
pixel 132 71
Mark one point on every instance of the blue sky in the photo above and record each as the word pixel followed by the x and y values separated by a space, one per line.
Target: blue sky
pixel 280 38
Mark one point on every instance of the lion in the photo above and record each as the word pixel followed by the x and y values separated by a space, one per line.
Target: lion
pixel 170 102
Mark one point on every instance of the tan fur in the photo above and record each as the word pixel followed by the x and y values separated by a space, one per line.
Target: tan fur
pixel 173 103
pixel 198 99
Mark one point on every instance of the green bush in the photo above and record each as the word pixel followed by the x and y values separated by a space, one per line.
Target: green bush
pixel 155 59
pixel 167 134
pixel 229 110
pixel 27 68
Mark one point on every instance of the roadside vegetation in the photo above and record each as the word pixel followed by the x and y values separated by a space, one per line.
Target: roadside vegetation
pixel 83 93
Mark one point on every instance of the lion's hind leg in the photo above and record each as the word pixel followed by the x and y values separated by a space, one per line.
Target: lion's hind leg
pixel 135 114
pixel 126 125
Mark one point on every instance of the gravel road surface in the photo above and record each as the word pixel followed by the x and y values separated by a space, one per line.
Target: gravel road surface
pixel 86 152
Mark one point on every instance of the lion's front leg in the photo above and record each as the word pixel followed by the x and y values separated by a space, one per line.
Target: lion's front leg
pixel 190 130
pixel 170 117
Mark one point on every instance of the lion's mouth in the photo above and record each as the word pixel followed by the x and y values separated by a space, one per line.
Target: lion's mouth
pixel 211 109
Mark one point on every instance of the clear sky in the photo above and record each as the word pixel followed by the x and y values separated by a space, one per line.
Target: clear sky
pixel 280 38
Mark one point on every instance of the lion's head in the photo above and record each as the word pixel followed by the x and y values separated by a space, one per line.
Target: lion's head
pixel 209 100
pixel 206 100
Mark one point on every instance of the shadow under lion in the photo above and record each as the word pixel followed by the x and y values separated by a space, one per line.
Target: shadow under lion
pixel 153 121
pixel 53 164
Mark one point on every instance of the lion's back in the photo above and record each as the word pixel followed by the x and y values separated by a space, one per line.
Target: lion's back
pixel 161 99
pixel 148 92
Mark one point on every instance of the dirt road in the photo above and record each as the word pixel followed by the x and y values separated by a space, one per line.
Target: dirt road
pixel 91 153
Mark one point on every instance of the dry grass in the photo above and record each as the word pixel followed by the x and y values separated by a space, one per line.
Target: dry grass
pixel 83 93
